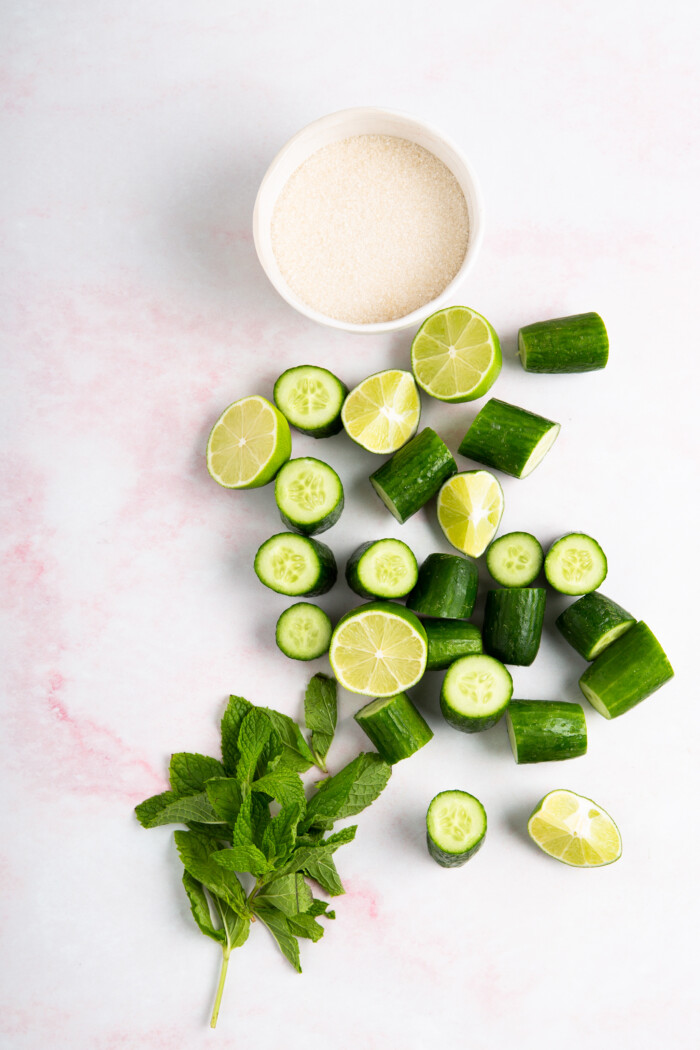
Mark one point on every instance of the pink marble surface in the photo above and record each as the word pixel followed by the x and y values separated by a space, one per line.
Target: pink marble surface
pixel 133 310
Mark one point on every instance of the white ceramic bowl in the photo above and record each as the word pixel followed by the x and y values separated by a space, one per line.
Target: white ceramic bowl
pixel 363 121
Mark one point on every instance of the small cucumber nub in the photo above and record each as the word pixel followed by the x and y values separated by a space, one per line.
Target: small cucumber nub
pixel 309 495
pixel 395 726
pixel 311 399
pixel 513 618
pixel 509 438
pixel 446 587
pixel 592 623
pixel 632 668
pixel 295 565
pixel 455 827
pixel 545 730
pixel 578 343
pixel 303 631
pixel 476 691
pixel 448 640
pixel 414 474
pixel 382 569
pixel 575 564
pixel 515 559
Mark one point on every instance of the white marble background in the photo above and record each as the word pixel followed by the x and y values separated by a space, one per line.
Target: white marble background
pixel 134 135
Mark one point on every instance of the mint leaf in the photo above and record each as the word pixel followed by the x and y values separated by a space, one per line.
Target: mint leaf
pixel 224 793
pixel 243 858
pixel 305 926
pixel 183 810
pixel 303 854
pixel 281 833
pixel 236 710
pixel 259 816
pixel 324 871
pixel 349 791
pixel 296 753
pixel 278 926
pixel 284 786
pixel 199 904
pixel 373 777
pixel 319 907
pixel 321 714
pixel 234 927
pixel 253 735
pixel 289 894
pixel 196 855
pixel 243 828
pixel 149 809
pixel 190 772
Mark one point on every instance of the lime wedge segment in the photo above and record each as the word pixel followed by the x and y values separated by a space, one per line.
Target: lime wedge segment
pixel 575 830
pixel 248 444
pixel 469 507
pixel 456 355
pixel 383 411
pixel 379 649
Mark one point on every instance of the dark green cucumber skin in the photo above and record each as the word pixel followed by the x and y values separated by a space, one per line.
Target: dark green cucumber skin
pixel 328 570
pixel 585 622
pixel 503 436
pixel 547 730
pixel 513 618
pixel 578 343
pixel 448 640
pixel 352 575
pixel 334 427
pixel 398 730
pixel 415 473
pixel 446 588
pixel 313 528
pixel 628 671
pixel 451 860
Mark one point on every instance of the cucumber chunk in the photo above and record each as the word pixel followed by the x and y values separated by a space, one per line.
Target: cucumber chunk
pixel 513 618
pixel 311 399
pixel 455 827
pixel 475 693
pixel 545 730
pixel 309 495
pixel 414 474
pixel 578 343
pixel 395 726
pixel 575 564
pixel 627 672
pixel 592 623
pixel 448 640
pixel 303 631
pixel 509 438
pixel 446 588
pixel 382 569
pixel 515 559
pixel 295 565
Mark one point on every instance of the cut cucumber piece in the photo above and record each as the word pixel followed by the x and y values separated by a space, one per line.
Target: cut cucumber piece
pixel 456 827
pixel 395 726
pixel 309 495
pixel 303 631
pixel 545 730
pixel 295 565
pixel 592 623
pixel 515 559
pixel 627 672
pixel 448 640
pixel 311 398
pixel 513 618
pixel 414 474
pixel 446 587
pixel 475 692
pixel 382 569
pixel 565 344
pixel 575 564
pixel 509 438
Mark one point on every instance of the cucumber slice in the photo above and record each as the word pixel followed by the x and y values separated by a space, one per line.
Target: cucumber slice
pixel 513 619
pixel 382 569
pixel 627 672
pixel 309 495
pixel 395 726
pixel 448 640
pixel 456 827
pixel 303 631
pixel 295 565
pixel 575 564
pixel 509 438
pixel 515 559
pixel 565 344
pixel 475 692
pixel 311 399
pixel 592 623
pixel 446 587
pixel 545 730
pixel 414 474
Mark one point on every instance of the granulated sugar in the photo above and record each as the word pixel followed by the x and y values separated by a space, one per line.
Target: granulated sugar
pixel 369 228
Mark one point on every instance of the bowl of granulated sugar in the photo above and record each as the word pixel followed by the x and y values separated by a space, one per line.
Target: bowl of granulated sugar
pixel 367 220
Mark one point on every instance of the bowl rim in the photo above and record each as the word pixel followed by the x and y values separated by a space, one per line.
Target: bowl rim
pixel 476 222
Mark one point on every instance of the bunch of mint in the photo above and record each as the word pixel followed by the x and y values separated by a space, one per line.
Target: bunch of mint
pixel 253 836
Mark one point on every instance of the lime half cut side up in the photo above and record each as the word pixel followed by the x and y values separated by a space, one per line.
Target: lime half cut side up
pixel 575 830
pixel 383 411
pixel 456 355
pixel 248 444
pixel 470 507
pixel 378 649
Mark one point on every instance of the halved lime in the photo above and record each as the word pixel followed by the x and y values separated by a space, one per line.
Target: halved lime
pixel 469 507
pixel 383 411
pixel 575 830
pixel 378 649
pixel 248 444
pixel 456 355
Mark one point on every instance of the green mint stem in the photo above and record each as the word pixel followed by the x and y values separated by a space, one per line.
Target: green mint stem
pixel 220 989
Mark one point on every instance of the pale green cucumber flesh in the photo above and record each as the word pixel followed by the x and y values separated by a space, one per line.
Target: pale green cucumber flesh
pixel 414 474
pixel 295 565
pixel 309 495
pixel 311 399
pixel 448 640
pixel 632 668
pixel 446 587
pixel 509 438
pixel 515 559
pixel 545 730
pixel 592 623
pixel 476 690
pixel 575 564
pixel 303 631
pixel 578 343
pixel 513 618
pixel 395 726
pixel 455 827
pixel 382 569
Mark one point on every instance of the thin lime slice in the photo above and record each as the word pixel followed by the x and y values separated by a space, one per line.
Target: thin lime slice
pixel 575 830
pixel 456 355
pixel 379 649
pixel 469 507
pixel 248 444
pixel 383 411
